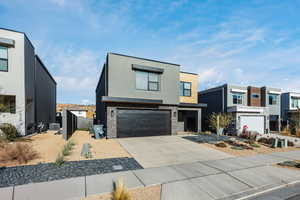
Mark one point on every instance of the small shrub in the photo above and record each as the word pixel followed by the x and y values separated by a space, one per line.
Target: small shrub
pixel 60 159
pixel 255 145
pixel 88 155
pixel 237 148
pixel 67 148
pixel 21 153
pixel 221 144
pixel 120 191
pixel 9 130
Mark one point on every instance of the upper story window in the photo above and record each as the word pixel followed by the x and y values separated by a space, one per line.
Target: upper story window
pixel 273 98
pixel 149 81
pixel 295 102
pixel 255 95
pixel 237 98
pixel 3 59
pixel 7 104
pixel 185 89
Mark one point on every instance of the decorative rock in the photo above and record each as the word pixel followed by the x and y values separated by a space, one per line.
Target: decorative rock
pixel 20 175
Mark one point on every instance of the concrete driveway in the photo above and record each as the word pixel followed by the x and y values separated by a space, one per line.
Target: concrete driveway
pixel 168 150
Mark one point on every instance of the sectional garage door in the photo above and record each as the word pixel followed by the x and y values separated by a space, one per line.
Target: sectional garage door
pixel 137 123
pixel 254 123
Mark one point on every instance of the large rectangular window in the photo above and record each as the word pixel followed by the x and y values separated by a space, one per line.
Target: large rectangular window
pixel 147 81
pixel 3 59
pixel 237 98
pixel 7 104
pixel 295 102
pixel 273 98
pixel 185 89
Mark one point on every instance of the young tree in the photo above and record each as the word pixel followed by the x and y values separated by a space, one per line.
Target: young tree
pixel 219 120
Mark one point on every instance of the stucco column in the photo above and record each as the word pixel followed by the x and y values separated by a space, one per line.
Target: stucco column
pixel 199 120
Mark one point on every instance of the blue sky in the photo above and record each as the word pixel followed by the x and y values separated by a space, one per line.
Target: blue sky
pixel 248 42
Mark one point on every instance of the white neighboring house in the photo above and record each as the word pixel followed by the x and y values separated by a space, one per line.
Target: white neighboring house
pixel 79 112
pixel 27 89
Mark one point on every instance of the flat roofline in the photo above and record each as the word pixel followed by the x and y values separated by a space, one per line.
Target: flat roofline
pixel 6 29
pixel 118 54
pixel 188 73
pixel 131 100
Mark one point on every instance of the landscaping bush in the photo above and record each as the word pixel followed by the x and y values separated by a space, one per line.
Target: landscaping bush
pixel 265 140
pixel 221 144
pixel 255 145
pixel 60 159
pixel 21 153
pixel 120 192
pixel 9 130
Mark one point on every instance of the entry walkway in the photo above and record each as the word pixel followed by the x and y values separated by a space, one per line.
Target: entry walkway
pixel 229 178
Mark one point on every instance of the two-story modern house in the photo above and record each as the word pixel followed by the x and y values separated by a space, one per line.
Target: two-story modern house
pixel 258 108
pixel 290 103
pixel 27 90
pixel 143 97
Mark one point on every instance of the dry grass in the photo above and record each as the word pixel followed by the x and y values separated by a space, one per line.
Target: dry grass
pixel 141 193
pixel 120 192
pixel 17 153
pixel 49 145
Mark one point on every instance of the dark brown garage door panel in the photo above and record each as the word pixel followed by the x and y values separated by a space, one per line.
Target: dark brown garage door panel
pixel 135 123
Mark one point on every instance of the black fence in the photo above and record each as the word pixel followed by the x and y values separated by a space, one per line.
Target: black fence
pixel 69 124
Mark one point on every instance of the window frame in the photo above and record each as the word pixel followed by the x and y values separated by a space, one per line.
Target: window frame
pixel 11 110
pixel 184 89
pixel 238 95
pixel 295 100
pixel 4 59
pixel 148 81
pixel 276 99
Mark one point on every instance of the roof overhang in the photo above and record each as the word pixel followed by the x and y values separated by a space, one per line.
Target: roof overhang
pixel 147 68
pixel 7 42
pixel 193 105
pixel 274 92
pixel 246 109
pixel 131 100
pixel 238 90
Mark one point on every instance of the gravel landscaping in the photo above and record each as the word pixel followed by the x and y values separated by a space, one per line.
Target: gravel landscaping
pixel 20 175
pixel 203 138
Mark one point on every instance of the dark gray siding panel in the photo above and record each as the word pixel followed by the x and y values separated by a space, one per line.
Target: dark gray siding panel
pixel 100 92
pixel 45 95
pixel 29 83
pixel 214 101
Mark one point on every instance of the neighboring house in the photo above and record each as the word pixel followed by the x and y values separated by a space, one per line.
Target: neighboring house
pixel 87 110
pixel 290 103
pixel 27 89
pixel 79 112
pixel 258 108
pixel 143 97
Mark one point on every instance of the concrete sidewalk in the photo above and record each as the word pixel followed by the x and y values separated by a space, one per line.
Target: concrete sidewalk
pixel 228 178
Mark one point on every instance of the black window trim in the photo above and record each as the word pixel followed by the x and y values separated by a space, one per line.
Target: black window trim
pixel 186 82
pixel 5 59
pixel 237 94
pixel 273 100
pixel 148 81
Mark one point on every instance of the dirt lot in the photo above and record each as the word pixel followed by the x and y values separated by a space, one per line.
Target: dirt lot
pixel 261 150
pixel 48 145
pixel 143 193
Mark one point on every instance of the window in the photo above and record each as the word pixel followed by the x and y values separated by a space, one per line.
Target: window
pixel 255 95
pixel 147 81
pixel 273 99
pixel 185 89
pixel 237 98
pixel 7 104
pixel 3 59
pixel 295 103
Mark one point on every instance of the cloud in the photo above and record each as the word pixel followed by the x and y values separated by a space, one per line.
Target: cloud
pixel 60 3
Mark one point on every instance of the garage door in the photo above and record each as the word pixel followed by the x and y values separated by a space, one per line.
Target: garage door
pixel 136 123
pixel 254 123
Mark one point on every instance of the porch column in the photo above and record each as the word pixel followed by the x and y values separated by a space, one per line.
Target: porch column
pixel 199 120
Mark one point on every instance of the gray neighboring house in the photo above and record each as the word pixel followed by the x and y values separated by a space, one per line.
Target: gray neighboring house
pixel 141 97
pixel 290 102
pixel 27 89
pixel 258 108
